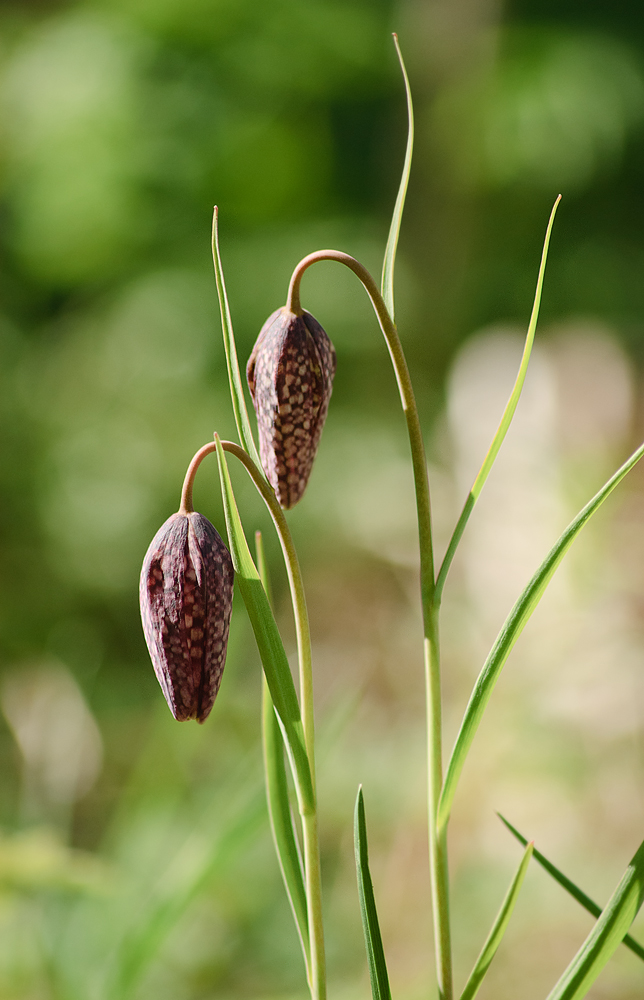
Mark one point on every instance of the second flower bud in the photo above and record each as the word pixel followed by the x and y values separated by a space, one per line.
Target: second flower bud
pixel 290 376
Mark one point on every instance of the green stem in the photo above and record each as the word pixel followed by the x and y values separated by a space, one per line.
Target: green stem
pixel 186 506
pixel 437 839
pixel 407 398
pixel 437 854
pixel 309 821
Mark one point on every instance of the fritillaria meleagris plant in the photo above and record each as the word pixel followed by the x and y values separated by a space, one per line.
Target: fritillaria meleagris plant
pixel 186 596
pixel 290 377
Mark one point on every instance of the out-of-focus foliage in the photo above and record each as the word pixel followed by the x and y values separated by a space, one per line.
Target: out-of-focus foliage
pixel 556 111
pixel 135 859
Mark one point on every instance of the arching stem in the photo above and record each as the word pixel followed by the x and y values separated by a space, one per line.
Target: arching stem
pixel 438 849
pixel 310 837
pixel 186 493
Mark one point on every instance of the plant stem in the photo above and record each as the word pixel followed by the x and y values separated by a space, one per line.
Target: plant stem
pixel 437 839
pixel 408 401
pixel 186 492
pixel 437 850
pixel 309 821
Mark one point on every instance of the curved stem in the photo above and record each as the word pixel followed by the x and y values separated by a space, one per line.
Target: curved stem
pixel 407 398
pixel 309 821
pixel 186 492
pixel 297 592
pixel 437 851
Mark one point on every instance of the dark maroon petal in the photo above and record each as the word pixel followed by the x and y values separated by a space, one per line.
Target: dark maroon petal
pixel 186 600
pixel 290 376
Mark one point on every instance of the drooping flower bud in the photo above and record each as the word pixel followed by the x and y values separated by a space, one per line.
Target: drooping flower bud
pixel 186 594
pixel 290 376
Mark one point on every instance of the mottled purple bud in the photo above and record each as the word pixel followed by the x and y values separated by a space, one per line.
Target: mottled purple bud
pixel 186 596
pixel 290 376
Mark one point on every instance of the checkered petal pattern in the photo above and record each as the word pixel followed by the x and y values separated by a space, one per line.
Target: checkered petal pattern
pixel 186 595
pixel 290 376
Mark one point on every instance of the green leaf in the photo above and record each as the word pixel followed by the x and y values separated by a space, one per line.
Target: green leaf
pixel 495 936
pixel 506 419
pixel 373 940
pixel 269 642
pixel 279 809
pixel 262 565
pixel 570 887
pixel 387 282
pixel 512 629
pixel 606 935
pixel 234 378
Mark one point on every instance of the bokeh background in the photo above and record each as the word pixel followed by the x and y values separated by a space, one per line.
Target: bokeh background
pixel 135 856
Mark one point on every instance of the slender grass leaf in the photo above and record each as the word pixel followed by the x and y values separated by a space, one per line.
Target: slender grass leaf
pixel 279 808
pixel 387 282
pixel 574 890
pixel 607 934
pixel 262 565
pixel 373 940
pixel 269 642
pixel 495 936
pixel 506 419
pixel 512 629
pixel 236 387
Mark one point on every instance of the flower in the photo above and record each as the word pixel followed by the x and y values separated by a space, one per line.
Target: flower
pixel 186 594
pixel 290 376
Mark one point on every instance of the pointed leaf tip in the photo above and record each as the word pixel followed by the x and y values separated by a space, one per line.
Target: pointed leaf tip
pixel 387 280
pixel 373 941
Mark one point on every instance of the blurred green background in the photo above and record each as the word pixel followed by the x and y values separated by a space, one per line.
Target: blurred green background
pixel 135 857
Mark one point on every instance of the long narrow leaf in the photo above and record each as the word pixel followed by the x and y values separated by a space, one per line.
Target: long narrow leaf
pixel 387 283
pixel 607 934
pixel 574 890
pixel 281 819
pixel 514 625
pixel 499 926
pixel 372 938
pixel 279 809
pixel 506 419
pixel 262 566
pixel 234 378
pixel 269 642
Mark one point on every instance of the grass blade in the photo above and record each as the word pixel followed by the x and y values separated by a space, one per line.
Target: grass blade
pixel 506 419
pixel 387 282
pixel 499 926
pixel 234 378
pixel 514 625
pixel 269 642
pixel 606 935
pixel 574 890
pixel 279 808
pixel 373 940
pixel 262 566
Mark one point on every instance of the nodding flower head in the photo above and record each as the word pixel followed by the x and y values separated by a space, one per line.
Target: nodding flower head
pixel 290 376
pixel 186 597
